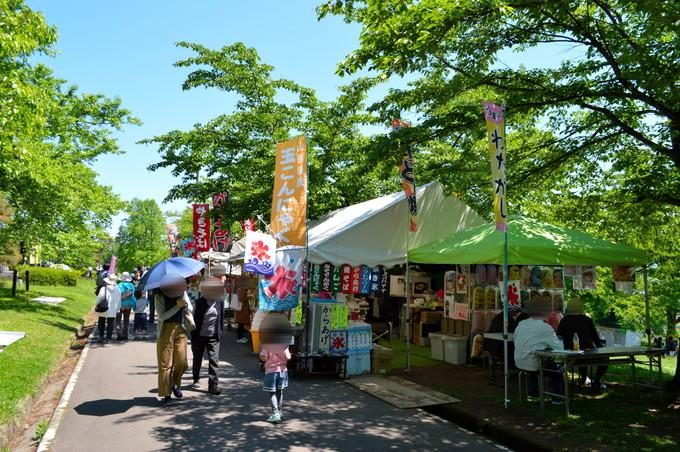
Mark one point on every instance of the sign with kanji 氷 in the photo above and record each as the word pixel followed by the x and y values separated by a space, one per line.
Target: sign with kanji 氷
pixel 495 128
pixel 289 204
pixel 259 253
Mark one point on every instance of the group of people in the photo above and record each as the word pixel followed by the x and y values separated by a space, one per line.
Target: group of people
pixel 180 319
pixel 123 299
pixel 533 330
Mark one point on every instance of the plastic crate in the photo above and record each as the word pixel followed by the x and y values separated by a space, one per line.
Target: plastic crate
pixel 455 348
pixel 437 345
pixel 358 363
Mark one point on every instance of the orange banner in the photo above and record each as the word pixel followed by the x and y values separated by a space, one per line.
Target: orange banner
pixel 289 203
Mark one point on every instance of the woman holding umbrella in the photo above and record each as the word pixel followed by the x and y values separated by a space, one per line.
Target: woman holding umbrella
pixel 172 307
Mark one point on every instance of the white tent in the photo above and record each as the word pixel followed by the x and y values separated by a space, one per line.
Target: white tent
pixel 375 232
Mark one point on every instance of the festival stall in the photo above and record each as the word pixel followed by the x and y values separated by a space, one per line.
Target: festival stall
pixel 542 259
pixel 352 255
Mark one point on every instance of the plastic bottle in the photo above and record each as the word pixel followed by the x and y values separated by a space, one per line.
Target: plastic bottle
pixel 576 343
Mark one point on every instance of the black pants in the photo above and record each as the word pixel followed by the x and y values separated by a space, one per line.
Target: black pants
pixel 110 323
pixel 123 326
pixel 198 346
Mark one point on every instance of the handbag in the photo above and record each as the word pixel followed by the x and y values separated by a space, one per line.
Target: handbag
pixel 103 305
pixel 189 318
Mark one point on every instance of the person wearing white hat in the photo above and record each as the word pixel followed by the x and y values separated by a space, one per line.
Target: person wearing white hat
pixel 109 292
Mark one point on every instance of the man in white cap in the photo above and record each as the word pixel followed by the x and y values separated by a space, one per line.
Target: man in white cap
pixel 534 334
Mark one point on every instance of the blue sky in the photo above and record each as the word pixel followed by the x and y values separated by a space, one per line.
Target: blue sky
pixel 127 48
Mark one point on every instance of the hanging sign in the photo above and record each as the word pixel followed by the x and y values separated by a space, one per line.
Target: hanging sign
pixel 338 340
pixel 365 280
pixel 201 227
pixel 355 280
pixel 495 128
pixel 259 253
pixel 281 291
pixel 375 280
pixel 339 316
pixel 289 204
pixel 346 278
pixel 315 280
pixel 335 280
pixel 326 276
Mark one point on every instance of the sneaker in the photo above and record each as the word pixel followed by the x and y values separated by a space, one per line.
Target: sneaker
pixel 196 384
pixel 166 400
pixel 243 340
pixel 274 418
pixel 177 392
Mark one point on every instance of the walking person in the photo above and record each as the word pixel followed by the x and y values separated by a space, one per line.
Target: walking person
pixel 127 304
pixel 275 333
pixel 141 305
pixel 107 319
pixel 209 317
pixel 172 305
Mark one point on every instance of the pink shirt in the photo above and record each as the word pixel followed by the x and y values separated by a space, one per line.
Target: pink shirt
pixel 275 357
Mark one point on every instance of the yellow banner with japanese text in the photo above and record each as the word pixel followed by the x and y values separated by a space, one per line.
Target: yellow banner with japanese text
pixel 289 203
pixel 495 128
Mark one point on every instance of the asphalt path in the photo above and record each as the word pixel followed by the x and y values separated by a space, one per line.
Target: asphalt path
pixel 113 407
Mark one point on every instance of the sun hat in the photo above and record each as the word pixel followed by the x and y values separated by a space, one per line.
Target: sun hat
pixel 111 278
pixel 125 277
pixel 539 306
pixel 173 285
pixel 212 288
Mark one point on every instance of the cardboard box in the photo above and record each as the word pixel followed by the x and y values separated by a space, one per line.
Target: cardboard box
pixel 460 328
pixel 447 325
pixel 421 331
pixel 431 316
pixel 381 362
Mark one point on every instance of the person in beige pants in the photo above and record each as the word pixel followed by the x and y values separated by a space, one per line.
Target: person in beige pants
pixel 172 306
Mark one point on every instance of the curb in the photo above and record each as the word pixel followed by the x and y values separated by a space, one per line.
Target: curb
pixel 58 414
pixel 465 419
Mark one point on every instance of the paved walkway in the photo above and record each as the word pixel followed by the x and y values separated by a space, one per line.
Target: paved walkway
pixel 113 407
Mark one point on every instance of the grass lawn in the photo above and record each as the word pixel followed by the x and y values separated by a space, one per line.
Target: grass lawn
pixel 49 329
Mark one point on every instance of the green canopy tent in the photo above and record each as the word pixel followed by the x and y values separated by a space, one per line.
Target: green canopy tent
pixel 529 242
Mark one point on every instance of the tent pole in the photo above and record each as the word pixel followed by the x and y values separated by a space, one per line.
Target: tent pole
pixel 408 309
pixel 648 322
pixel 504 300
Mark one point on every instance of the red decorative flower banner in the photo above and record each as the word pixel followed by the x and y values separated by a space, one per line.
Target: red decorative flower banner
pixel 201 227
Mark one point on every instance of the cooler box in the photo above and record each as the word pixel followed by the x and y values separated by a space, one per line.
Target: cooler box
pixel 455 349
pixel 381 362
pixel 437 345
pixel 358 362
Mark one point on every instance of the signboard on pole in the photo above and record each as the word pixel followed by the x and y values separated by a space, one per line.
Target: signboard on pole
pixel 201 227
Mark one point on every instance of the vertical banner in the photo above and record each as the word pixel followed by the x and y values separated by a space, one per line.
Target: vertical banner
pixel 188 247
pixel 315 279
pixel 355 280
pixel 346 278
pixel 221 237
pixel 376 276
pixel 201 227
pixel 281 291
pixel 495 128
pixel 365 280
pixel 326 276
pixel 259 253
pixel 289 203
pixel 408 180
pixel 335 280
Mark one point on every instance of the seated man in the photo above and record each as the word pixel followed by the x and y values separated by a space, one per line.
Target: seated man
pixel 577 322
pixel 534 334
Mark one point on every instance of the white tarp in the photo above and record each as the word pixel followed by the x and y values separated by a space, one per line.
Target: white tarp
pixel 375 232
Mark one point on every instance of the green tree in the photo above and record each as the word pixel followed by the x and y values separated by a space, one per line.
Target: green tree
pixel 235 152
pixel 49 135
pixel 142 237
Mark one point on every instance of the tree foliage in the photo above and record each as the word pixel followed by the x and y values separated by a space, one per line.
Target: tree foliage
pixel 49 133
pixel 235 152
pixel 142 236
